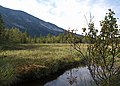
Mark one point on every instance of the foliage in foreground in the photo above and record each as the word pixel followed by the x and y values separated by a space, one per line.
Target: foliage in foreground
pixel 102 52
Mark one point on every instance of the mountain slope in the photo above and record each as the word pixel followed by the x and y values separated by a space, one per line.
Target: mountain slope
pixel 27 22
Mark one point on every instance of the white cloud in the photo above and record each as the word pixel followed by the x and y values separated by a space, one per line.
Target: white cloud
pixel 64 13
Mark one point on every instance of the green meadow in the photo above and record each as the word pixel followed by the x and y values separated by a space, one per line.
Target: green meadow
pixel 32 61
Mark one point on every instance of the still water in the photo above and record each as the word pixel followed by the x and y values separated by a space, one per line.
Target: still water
pixel 74 77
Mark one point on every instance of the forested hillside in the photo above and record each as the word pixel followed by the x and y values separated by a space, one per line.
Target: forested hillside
pixel 26 22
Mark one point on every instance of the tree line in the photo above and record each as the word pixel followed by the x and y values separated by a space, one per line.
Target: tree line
pixel 14 35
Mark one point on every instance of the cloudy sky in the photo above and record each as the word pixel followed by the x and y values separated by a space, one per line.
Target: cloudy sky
pixel 65 13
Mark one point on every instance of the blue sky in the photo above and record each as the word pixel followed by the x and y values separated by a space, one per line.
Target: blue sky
pixel 65 13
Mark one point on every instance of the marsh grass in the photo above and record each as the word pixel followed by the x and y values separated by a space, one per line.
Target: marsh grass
pixel 33 61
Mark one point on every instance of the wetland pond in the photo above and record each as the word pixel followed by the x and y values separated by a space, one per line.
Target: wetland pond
pixel 74 77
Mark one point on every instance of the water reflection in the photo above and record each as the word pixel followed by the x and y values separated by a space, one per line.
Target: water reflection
pixel 71 78
pixel 74 77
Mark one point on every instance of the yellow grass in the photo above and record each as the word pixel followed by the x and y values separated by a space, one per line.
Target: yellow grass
pixel 33 59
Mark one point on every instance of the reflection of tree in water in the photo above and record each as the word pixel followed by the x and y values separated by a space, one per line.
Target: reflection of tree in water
pixel 72 77
pixel 79 77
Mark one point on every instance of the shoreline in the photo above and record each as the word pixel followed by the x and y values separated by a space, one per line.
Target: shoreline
pixel 50 76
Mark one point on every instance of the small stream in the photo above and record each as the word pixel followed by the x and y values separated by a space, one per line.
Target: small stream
pixel 74 77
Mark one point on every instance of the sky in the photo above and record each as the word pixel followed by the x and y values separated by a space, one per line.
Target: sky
pixel 66 14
